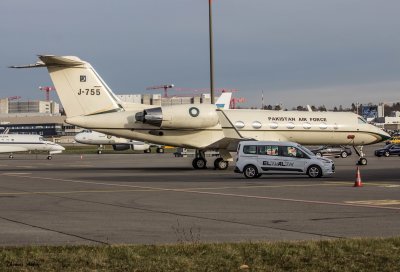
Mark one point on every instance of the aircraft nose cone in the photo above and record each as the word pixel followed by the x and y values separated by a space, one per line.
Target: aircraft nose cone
pixel 78 137
pixel 385 135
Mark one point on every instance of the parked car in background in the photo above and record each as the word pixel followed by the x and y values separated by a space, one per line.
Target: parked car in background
pixel 390 149
pixel 394 140
pixel 331 150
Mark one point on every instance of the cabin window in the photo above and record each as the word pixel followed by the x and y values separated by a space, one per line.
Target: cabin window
pixel 307 125
pixel 323 126
pixel 273 125
pixel 239 124
pixel 290 125
pixel 256 124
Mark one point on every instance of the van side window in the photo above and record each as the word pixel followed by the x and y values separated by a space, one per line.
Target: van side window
pixel 269 150
pixel 250 149
pixel 288 151
pixel 262 150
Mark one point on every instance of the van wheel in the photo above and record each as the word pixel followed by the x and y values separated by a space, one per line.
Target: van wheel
pixel 250 171
pixel 314 171
pixel 318 154
pixel 344 154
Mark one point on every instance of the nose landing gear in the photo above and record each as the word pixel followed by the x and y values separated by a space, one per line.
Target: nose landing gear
pixel 362 160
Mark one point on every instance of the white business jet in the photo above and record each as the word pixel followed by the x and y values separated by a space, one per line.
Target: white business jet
pixel 120 144
pixel 90 103
pixel 11 143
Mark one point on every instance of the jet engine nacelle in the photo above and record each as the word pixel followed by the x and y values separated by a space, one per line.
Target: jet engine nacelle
pixel 140 147
pixel 121 147
pixel 180 116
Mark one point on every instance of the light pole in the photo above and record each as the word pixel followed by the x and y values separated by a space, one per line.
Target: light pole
pixel 211 52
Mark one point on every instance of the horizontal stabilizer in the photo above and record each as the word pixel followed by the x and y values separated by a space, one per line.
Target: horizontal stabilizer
pixel 51 61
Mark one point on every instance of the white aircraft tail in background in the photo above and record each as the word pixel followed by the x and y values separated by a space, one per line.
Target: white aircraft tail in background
pixel 224 101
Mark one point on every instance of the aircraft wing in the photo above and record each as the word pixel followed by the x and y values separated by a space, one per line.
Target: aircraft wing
pixel 10 149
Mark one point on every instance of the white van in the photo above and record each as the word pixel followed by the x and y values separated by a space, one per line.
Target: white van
pixel 255 158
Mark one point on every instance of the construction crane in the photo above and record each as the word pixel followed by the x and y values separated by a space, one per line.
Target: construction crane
pixel 47 89
pixel 205 90
pixel 13 97
pixel 165 87
pixel 236 100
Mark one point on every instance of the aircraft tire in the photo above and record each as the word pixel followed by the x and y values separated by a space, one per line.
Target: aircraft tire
pixel 99 152
pixel 160 150
pixel 362 161
pixel 49 157
pixel 199 163
pixel 221 164
pixel 11 157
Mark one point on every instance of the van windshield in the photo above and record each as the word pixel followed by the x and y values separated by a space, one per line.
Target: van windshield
pixel 306 150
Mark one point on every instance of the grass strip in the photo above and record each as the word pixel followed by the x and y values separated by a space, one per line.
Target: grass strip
pixel 327 255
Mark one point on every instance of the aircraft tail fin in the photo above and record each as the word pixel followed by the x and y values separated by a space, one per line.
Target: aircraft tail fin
pixel 81 90
pixel 223 102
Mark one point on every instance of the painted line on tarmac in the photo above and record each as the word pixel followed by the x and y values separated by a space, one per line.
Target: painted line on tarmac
pixel 218 194
pixel 75 192
pixel 385 185
pixel 15 173
pixel 377 202
pixel 79 165
pixel 262 186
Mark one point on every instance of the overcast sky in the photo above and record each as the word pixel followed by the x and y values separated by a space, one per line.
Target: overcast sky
pixel 328 52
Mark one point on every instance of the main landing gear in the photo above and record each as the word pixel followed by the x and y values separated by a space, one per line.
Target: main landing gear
pixel 100 149
pixel 362 160
pixel 199 162
pixel 220 163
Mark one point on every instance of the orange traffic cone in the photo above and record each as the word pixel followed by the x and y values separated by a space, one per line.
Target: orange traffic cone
pixel 358 182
